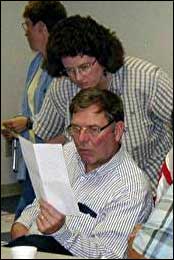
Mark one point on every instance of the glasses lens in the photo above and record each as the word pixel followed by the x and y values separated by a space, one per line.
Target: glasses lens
pixel 84 68
pixel 73 130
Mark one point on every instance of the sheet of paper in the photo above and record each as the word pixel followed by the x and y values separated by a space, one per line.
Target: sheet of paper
pixel 49 176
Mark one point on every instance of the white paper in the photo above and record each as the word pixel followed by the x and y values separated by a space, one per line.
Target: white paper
pixel 49 176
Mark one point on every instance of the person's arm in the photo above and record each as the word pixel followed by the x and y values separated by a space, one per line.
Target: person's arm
pixel 162 101
pixel 60 139
pixel 18 230
pixel 50 121
pixel 22 225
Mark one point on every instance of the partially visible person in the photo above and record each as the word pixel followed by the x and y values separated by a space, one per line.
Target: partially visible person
pixel 154 239
pixel 39 20
pixel 166 175
pixel 112 192
pixel 88 54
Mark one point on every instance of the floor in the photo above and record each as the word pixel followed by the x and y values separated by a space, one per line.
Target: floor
pixel 8 206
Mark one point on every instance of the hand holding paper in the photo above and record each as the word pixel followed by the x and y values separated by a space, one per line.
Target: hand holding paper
pixel 49 176
pixel 49 219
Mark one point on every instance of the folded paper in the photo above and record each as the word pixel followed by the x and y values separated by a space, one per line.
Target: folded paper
pixel 49 175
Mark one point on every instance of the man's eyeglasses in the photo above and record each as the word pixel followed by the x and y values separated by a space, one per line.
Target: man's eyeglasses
pixel 94 131
pixel 82 69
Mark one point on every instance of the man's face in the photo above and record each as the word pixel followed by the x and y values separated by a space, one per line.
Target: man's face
pixel 94 151
pixel 85 71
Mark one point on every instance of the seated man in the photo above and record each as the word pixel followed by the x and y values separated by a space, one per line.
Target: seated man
pixel 112 192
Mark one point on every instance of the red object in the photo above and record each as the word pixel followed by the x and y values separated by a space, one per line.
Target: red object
pixel 166 174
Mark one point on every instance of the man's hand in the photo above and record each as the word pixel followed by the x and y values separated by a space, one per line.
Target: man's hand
pixel 17 124
pixel 49 220
pixel 18 230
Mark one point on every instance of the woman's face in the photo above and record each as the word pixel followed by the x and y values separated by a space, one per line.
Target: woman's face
pixel 33 34
pixel 85 71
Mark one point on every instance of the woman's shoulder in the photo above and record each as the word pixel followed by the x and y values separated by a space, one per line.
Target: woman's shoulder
pixel 64 86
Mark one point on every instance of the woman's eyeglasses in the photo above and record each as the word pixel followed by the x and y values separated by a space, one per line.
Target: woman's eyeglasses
pixel 82 69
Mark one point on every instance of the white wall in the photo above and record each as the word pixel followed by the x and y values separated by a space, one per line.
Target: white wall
pixel 144 27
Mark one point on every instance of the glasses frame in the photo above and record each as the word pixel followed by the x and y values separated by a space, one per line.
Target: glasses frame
pixel 100 129
pixel 24 26
pixel 73 71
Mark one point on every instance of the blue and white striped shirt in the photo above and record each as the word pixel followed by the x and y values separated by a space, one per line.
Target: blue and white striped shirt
pixel 119 196
pixel 147 94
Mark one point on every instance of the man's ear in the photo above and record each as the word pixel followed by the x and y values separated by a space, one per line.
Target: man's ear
pixel 119 130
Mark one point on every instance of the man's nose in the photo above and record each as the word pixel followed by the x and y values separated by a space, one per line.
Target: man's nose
pixel 83 135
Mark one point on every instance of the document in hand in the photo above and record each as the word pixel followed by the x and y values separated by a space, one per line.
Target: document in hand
pixel 49 176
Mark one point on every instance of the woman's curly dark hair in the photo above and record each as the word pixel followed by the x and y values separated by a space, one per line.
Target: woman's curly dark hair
pixel 78 35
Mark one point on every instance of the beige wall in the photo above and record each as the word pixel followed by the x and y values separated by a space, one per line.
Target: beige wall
pixel 145 28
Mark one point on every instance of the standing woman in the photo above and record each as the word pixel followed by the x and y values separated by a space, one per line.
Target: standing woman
pixel 39 19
